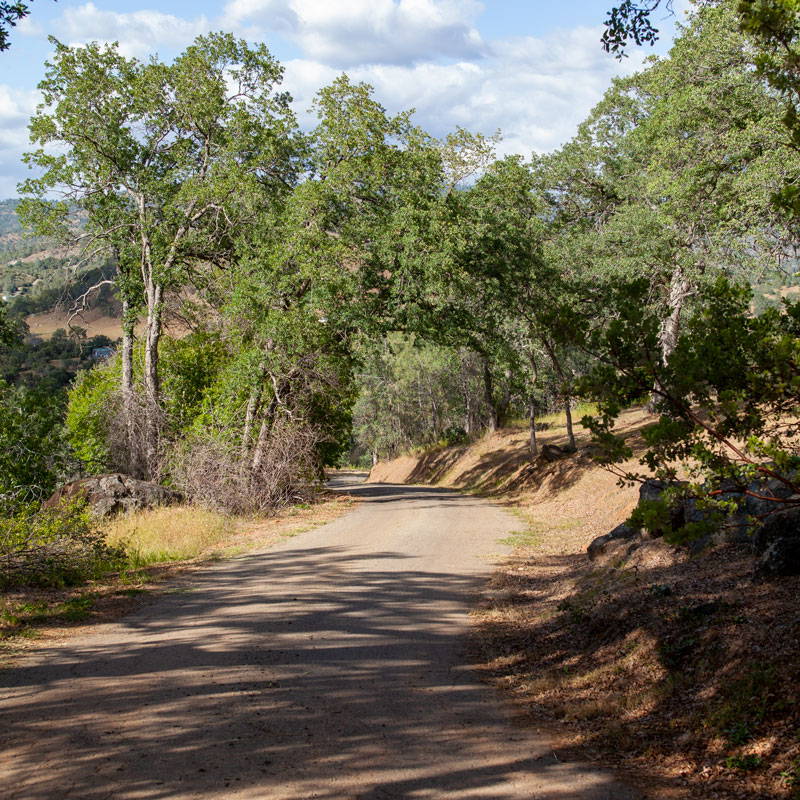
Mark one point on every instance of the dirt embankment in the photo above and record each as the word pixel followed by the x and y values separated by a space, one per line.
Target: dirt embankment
pixel 682 670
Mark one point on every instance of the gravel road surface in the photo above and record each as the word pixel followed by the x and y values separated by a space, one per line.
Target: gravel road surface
pixel 330 666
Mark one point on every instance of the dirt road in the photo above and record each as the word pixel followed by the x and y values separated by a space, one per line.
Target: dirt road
pixel 330 666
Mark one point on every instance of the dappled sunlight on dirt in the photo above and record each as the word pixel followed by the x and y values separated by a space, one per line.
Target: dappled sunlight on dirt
pixel 681 669
pixel 332 666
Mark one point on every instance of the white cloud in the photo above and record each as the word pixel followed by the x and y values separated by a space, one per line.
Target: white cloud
pixel 27 26
pixel 535 90
pixel 139 33
pixel 16 108
pixel 366 31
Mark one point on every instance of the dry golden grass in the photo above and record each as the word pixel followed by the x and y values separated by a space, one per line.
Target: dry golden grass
pixel 165 544
pixel 678 670
pixel 95 322
pixel 174 533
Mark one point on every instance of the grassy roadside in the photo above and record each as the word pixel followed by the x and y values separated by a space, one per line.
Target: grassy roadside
pixel 164 544
pixel 680 671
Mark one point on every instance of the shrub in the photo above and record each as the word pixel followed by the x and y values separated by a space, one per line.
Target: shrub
pixel 32 450
pixel 53 547
pixel 101 435
pixel 88 411
pixel 727 398
pixel 212 471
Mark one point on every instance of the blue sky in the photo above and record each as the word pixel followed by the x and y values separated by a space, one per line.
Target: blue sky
pixel 531 69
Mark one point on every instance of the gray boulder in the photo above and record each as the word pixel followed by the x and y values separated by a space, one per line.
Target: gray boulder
pixel 553 452
pixel 651 490
pixel 761 505
pixel 777 543
pixel 621 541
pixel 115 493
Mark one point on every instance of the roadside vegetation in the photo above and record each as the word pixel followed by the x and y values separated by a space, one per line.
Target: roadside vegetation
pixel 672 665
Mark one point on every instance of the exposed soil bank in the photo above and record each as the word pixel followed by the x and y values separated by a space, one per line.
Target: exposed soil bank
pixel 680 669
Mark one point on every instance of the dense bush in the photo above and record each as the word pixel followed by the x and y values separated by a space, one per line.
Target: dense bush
pixel 209 470
pixel 727 398
pixel 32 449
pixel 53 547
pixel 90 400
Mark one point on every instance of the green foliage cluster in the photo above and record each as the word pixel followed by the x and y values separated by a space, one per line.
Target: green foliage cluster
pixel 374 287
pixel 53 547
pixel 32 452
pixel 727 397
pixel 87 416
pixel 412 393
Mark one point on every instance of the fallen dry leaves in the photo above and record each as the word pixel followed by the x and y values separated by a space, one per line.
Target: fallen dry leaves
pixel 681 672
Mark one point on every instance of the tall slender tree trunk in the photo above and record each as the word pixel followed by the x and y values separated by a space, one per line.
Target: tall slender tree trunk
pixel 488 388
pixel 679 289
pixel 152 378
pixel 263 435
pixel 565 393
pixel 253 404
pixel 466 393
pixel 467 413
pixel 126 386
pixel 251 411
pixel 534 445
pixel 568 413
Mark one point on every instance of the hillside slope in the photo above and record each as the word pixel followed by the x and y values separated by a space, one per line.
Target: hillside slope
pixel 680 669
pixel 579 498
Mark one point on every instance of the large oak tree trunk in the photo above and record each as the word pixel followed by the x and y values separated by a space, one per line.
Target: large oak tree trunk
pixel 679 289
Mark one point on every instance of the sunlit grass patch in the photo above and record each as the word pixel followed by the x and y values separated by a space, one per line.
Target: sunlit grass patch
pixel 175 533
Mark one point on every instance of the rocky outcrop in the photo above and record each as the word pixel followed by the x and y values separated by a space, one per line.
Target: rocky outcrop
pixel 777 543
pixel 617 543
pixel 773 534
pixel 553 452
pixel 115 493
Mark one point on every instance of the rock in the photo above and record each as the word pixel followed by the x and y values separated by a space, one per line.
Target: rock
pixel 651 490
pixel 761 506
pixel 777 543
pixel 114 493
pixel 553 452
pixel 622 538
pixel 752 508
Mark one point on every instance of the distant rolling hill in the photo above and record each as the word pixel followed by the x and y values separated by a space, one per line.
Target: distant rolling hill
pixel 39 281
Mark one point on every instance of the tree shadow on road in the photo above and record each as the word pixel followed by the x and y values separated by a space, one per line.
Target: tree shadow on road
pixel 332 675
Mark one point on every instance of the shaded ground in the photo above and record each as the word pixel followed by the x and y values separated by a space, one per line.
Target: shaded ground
pixel 685 667
pixel 330 666
pixel 680 668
